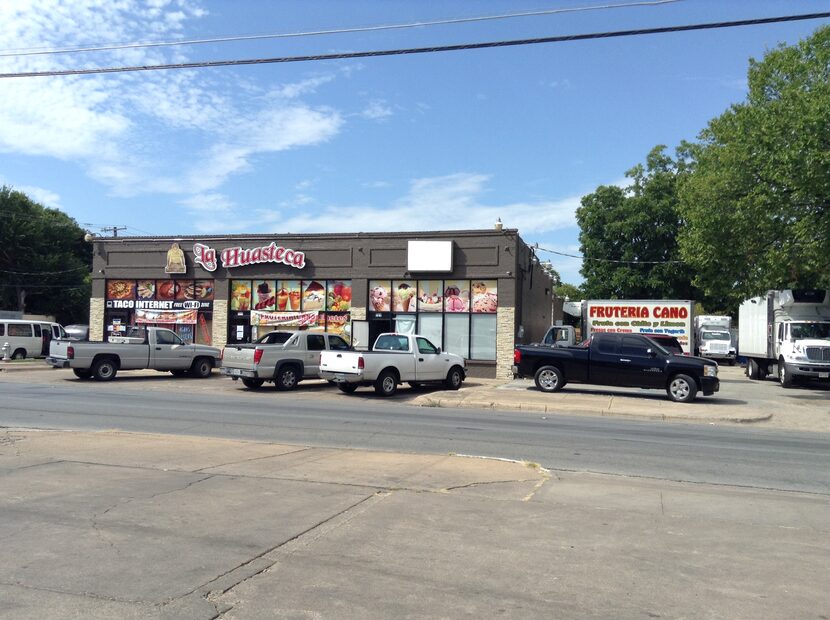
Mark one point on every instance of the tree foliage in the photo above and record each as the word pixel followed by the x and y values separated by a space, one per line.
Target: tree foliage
pixel 44 261
pixel 757 200
pixel 629 236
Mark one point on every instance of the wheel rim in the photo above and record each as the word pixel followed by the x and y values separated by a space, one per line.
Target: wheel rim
pixel 455 378
pixel 204 369
pixel 288 378
pixel 679 389
pixel 388 384
pixel 548 379
pixel 782 373
pixel 105 371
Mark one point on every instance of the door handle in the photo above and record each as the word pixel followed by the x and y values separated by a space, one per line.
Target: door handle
pixel 622 359
pixel 158 348
pixel 420 359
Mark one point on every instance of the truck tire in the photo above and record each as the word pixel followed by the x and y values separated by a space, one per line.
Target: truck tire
pixel 754 370
pixel 202 367
pixel 287 377
pixel 253 384
pixel 104 369
pixel 549 379
pixel 387 383
pixel 20 354
pixel 785 378
pixel 82 374
pixel 682 389
pixel 455 377
pixel 347 388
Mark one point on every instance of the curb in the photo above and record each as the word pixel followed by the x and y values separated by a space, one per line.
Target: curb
pixel 451 403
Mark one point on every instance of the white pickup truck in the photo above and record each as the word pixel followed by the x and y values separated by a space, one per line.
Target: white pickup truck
pixel 395 358
pixel 151 347
pixel 284 357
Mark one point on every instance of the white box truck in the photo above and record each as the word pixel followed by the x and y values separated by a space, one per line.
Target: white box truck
pixel 645 316
pixel 713 337
pixel 786 332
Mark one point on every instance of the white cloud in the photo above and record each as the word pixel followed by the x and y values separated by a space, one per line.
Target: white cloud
pixel 177 132
pixel 46 197
pixel 449 202
pixel 376 110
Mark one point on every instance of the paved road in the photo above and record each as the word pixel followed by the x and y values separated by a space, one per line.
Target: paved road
pixel 741 456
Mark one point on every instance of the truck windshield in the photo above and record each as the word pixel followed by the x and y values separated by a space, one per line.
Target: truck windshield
pixel 804 331
pixel 715 336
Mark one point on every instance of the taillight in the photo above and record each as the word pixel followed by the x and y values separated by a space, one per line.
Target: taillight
pixel 517 356
pixel 70 353
pixel 360 363
pixel 258 355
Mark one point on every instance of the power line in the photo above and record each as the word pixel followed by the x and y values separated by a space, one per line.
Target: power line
pixel 43 273
pixel 254 37
pixel 422 50
pixel 610 260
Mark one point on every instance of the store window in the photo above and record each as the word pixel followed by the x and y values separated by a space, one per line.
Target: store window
pixel 457 334
pixel 483 337
pixel 431 326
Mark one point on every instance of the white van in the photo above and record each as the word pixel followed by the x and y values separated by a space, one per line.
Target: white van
pixel 28 337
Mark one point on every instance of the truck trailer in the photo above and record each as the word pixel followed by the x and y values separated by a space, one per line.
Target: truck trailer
pixel 786 332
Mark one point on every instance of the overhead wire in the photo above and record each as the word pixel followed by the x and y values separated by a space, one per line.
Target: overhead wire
pixel 609 260
pixel 422 50
pixel 254 37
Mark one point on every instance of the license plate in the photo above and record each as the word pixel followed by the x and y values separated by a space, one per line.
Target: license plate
pixel 236 372
pixel 824 375
pixel 339 377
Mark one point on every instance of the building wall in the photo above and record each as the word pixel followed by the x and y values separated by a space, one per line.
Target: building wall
pixel 359 257
pixel 535 289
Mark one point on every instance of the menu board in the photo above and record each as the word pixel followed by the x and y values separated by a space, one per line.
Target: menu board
pixel 339 297
pixel 404 295
pixel 484 296
pixel 265 292
pixel 380 297
pixel 430 295
pixel 456 296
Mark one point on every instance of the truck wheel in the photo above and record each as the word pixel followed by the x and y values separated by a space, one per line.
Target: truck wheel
pixel 82 374
pixel 287 378
pixel 202 367
pixel 549 379
pixel 784 377
pixel 682 389
pixel 754 371
pixel 20 354
pixel 386 384
pixel 104 370
pixel 253 384
pixel 455 377
pixel 347 388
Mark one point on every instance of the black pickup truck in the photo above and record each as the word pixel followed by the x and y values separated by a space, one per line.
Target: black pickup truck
pixel 622 360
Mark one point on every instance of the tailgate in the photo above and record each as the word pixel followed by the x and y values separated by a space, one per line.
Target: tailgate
pixel 57 349
pixel 339 361
pixel 238 356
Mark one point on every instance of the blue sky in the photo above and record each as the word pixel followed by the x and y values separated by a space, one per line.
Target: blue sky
pixel 424 142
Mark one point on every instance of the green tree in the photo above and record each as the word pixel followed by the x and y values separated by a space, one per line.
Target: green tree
pixel 629 236
pixel 44 261
pixel 757 200
pixel 565 290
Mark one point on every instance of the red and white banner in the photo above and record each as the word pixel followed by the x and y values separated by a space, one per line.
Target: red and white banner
pixel 167 317
pixel 287 319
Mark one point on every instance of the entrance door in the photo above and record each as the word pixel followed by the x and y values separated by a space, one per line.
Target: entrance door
pixel 376 328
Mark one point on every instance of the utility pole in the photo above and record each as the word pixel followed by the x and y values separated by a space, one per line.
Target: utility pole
pixel 113 229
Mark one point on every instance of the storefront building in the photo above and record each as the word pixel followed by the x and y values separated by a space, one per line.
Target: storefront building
pixel 476 293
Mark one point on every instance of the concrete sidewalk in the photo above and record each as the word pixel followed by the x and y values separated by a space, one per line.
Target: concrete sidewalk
pixel 103 525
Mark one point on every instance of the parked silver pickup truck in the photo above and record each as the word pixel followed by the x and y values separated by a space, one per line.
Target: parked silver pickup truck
pixel 151 347
pixel 284 357
pixel 395 358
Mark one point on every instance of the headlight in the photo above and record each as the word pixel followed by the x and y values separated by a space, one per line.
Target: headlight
pixel 711 371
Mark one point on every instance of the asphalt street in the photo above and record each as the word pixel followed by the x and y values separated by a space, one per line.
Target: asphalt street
pixel 738 456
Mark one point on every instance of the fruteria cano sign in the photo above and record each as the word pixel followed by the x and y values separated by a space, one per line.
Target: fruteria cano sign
pixel 642 317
